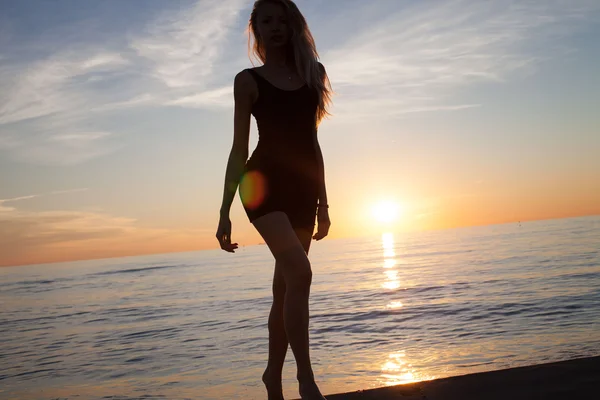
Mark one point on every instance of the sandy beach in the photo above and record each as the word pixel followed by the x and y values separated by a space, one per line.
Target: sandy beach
pixel 573 379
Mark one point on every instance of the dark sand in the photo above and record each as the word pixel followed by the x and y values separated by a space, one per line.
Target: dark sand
pixel 574 379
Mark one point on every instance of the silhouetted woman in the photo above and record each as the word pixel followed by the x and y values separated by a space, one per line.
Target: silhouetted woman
pixel 282 185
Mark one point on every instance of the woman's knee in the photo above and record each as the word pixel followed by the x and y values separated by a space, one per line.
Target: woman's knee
pixel 296 269
pixel 279 289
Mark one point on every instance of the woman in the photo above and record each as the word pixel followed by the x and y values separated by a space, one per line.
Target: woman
pixel 282 185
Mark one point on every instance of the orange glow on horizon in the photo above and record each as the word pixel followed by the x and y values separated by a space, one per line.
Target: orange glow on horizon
pixel 349 218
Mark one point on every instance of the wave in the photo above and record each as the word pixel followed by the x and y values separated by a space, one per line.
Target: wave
pixel 134 270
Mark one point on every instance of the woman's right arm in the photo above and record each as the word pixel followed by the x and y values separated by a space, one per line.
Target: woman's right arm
pixel 243 93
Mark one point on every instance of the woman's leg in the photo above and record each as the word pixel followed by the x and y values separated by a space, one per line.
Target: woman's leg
pixel 291 256
pixel 278 341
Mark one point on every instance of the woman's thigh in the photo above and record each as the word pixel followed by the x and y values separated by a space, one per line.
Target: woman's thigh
pixel 305 236
pixel 289 246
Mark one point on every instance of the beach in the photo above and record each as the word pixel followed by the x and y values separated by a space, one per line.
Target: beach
pixel 573 379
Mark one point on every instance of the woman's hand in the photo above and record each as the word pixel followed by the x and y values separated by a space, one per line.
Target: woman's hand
pixel 323 223
pixel 224 235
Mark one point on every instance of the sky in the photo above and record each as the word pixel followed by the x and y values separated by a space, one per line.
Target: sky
pixel 116 118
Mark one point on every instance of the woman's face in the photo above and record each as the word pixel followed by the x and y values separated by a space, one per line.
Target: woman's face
pixel 272 25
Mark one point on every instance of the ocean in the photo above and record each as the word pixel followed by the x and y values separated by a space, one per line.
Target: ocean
pixel 387 309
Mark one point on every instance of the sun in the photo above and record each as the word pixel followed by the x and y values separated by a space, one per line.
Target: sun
pixel 386 211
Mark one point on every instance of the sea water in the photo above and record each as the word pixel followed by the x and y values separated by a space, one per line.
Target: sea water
pixel 385 310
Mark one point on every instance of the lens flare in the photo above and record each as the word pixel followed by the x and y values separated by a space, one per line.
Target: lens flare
pixel 253 189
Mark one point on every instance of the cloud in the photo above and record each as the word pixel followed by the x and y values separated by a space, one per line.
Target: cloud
pixel 48 105
pixel 145 99
pixel 45 107
pixel 183 46
pixel 47 236
pixel 53 85
pixel 40 237
pixel 8 141
pixel 413 59
pixel 27 237
pixel 56 141
pixel 33 196
pixel 7 209
pixel 217 98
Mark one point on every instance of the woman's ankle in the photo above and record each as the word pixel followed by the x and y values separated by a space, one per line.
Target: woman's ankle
pixel 272 374
pixel 306 378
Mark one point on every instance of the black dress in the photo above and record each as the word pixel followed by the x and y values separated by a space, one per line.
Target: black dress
pixel 282 172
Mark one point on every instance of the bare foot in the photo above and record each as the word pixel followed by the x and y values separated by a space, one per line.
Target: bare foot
pixel 273 385
pixel 310 391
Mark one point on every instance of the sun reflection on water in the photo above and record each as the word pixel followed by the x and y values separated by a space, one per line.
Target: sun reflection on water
pixel 394 305
pixel 389 262
pixel 389 252
pixel 392 275
pixel 397 371
pixel 391 285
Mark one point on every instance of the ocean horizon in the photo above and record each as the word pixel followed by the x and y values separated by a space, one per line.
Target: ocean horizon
pixel 388 309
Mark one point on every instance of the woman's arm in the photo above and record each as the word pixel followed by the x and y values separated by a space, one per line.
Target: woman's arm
pixel 321 172
pixel 320 162
pixel 322 212
pixel 243 93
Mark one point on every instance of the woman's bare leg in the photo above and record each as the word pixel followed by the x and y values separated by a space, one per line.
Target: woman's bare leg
pixel 289 252
pixel 278 341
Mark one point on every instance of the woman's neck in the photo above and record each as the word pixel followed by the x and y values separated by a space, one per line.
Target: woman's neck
pixel 277 58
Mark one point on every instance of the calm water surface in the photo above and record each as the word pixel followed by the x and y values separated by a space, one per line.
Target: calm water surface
pixel 384 310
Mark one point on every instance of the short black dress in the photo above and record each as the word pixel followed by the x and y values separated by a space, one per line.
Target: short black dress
pixel 282 172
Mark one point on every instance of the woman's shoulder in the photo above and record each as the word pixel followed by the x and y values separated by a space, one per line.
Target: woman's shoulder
pixel 245 79
pixel 321 68
pixel 250 71
pixel 245 85
pixel 244 76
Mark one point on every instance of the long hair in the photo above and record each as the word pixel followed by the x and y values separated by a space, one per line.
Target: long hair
pixel 302 50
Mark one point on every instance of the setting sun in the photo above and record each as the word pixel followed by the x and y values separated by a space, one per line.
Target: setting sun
pixel 386 211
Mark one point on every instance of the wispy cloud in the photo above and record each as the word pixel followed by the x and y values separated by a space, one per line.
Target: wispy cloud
pixel 183 46
pixel 217 98
pixel 55 85
pixel 46 105
pixel 33 237
pixel 410 60
pixel 33 196
pixel 56 140
pixel 413 59
pixel 145 99
pixel 43 236
pixel 23 234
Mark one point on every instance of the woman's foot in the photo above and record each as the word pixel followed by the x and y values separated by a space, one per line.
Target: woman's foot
pixel 273 385
pixel 310 391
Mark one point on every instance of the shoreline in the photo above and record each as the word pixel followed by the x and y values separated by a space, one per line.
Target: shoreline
pixel 552 381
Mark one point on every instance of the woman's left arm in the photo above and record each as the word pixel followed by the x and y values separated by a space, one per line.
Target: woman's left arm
pixel 321 172
pixel 323 208
pixel 323 222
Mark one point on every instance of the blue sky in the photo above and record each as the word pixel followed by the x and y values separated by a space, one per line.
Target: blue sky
pixel 116 117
